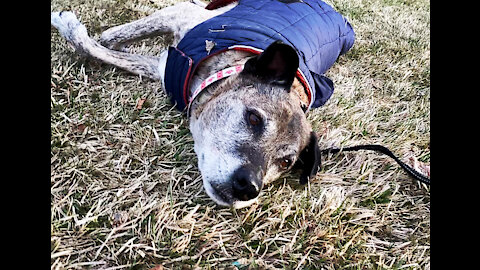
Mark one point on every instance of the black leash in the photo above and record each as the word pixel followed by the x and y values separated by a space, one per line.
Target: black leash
pixel 382 149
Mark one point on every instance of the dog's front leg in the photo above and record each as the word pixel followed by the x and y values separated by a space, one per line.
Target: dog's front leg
pixel 177 19
pixel 76 35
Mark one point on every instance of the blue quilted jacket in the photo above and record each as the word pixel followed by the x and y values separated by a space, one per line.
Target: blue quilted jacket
pixel 317 32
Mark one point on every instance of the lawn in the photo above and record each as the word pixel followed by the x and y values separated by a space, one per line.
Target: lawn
pixel 126 192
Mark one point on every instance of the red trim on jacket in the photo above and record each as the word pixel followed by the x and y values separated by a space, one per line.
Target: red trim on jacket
pixel 219 3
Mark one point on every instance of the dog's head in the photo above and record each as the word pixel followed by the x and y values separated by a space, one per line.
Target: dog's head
pixel 253 129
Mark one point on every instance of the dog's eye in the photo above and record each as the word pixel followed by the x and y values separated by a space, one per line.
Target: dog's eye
pixel 254 119
pixel 285 163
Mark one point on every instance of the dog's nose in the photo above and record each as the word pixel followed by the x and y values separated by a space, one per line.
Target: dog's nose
pixel 246 184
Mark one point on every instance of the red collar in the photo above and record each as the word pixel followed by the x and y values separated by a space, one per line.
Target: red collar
pixel 224 73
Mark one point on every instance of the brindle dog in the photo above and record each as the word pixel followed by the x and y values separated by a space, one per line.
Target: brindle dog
pixel 248 129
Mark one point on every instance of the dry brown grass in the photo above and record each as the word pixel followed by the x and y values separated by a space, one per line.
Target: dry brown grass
pixel 125 188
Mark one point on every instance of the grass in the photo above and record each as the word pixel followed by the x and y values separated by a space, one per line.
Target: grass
pixel 125 188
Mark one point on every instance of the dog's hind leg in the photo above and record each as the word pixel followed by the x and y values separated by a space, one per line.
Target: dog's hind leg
pixel 76 35
pixel 177 19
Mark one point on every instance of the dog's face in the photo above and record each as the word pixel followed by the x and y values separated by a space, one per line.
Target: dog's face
pixel 253 130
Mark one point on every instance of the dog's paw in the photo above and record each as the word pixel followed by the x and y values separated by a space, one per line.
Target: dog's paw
pixel 65 22
pixel 69 27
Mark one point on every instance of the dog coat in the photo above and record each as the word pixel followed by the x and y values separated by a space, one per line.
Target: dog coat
pixel 317 32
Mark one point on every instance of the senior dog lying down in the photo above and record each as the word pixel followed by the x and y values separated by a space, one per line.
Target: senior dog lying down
pixel 245 72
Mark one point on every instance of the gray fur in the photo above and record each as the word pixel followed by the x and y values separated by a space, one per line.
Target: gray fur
pixel 220 130
pixel 223 140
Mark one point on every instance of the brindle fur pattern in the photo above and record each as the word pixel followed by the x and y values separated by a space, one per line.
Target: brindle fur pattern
pixel 223 140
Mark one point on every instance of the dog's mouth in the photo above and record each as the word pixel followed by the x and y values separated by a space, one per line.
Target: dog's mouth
pixel 223 196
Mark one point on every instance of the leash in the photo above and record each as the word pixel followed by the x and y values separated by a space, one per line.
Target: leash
pixel 382 149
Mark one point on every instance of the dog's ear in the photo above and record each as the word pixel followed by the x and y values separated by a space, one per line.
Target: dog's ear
pixel 309 160
pixel 278 64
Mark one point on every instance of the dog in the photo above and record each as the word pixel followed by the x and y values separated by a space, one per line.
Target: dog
pixel 245 73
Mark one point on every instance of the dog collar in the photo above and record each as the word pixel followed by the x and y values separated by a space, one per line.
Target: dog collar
pixel 224 73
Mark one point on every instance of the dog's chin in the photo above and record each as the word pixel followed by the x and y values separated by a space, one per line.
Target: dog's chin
pixel 242 204
pixel 223 200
